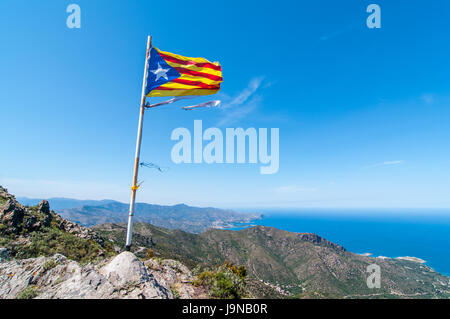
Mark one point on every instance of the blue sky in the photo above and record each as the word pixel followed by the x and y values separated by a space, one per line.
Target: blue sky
pixel 363 113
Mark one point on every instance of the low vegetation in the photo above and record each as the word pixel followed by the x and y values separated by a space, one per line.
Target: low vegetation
pixel 36 231
pixel 227 281
pixel 49 265
pixel 52 242
pixel 28 293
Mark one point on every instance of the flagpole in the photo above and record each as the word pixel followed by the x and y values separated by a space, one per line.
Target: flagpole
pixel 134 186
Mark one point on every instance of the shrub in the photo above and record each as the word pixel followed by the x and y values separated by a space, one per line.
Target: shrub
pixel 241 271
pixel 149 254
pixel 226 287
pixel 28 293
pixel 4 241
pixel 226 281
pixel 52 241
pixel 175 292
pixel 205 278
pixel 50 264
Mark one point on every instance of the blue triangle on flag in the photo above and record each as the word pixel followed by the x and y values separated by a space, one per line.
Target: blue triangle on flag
pixel 159 72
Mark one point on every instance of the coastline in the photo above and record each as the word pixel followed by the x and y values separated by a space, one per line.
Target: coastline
pixel 363 233
pixel 407 258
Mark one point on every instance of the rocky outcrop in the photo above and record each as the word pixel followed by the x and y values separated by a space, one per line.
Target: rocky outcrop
pixel 44 210
pixel 92 270
pixel 320 241
pixel 125 276
pixel 126 270
pixel 17 218
pixel 79 231
pixel 11 212
pixel 24 219
pixel 178 277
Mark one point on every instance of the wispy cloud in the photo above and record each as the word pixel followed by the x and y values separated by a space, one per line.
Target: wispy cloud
pixel 428 98
pixel 336 33
pixel 242 104
pixel 387 163
pixel 245 94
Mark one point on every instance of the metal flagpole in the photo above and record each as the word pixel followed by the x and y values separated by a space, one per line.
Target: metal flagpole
pixel 134 186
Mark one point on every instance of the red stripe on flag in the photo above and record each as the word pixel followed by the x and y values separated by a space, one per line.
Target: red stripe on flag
pixel 201 65
pixel 196 83
pixel 171 89
pixel 196 73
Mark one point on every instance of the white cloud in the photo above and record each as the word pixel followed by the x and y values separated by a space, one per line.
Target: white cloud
pixel 387 163
pixel 242 104
pixel 245 94
pixel 234 115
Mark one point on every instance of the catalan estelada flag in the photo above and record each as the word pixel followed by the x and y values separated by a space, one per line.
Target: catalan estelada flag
pixel 171 74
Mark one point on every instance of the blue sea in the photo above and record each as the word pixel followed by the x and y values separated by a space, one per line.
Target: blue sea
pixel 422 234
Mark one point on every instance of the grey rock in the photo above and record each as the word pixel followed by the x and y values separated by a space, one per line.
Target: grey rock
pixel 123 277
pixel 32 223
pixel 20 219
pixel 79 231
pixel 124 269
pixel 44 207
pixel 4 254
pixel 11 215
pixel 320 241
pixel 173 274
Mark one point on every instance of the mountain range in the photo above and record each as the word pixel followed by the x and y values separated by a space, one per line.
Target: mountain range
pixel 188 218
pixel 286 264
pixel 38 248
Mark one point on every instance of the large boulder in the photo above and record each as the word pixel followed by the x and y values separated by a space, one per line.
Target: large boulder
pixel 44 211
pixel 44 207
pixel 17 218
pixel 60 278
pixel 125 268
pixel 11 215
pixel 80 283
pixel 126 271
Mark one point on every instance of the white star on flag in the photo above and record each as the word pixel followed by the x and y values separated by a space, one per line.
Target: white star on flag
pixel 160 72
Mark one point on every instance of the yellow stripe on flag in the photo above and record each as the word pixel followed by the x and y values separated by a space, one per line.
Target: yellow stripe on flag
pixel 195 68
pixel 196 78
pixel 185 58
pixel 173 85
pixel 157 92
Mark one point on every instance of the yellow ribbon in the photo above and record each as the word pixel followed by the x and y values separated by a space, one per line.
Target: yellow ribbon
pixel 135 187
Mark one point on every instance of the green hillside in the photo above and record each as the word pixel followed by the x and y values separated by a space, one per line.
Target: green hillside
pixel 32 231
pixel 295 264
pixel 279 264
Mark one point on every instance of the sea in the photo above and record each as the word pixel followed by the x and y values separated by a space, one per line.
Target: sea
pixel 414 233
